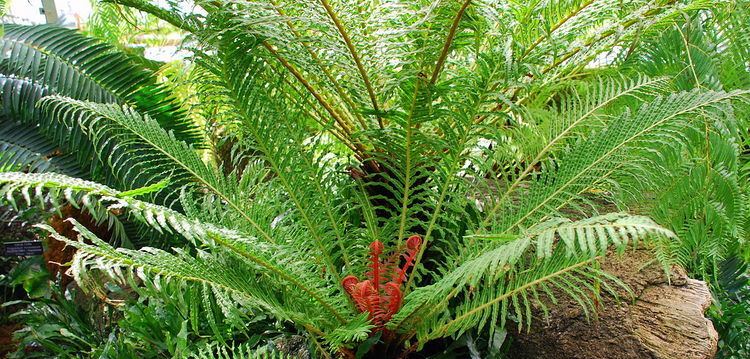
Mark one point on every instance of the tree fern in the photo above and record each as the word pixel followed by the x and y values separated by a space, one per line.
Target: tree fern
pixel 495 146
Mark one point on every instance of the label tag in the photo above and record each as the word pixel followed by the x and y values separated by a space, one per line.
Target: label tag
pixel 22 249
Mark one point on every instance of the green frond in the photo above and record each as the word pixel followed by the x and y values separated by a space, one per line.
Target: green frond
pixel 70 64
pixel 23 148
pixel 496 131
pixel 356 331
pixel 242 351
pixel 281 137
pixel 574 117
pixel 133 148
pixel 713 203
pixel 204 281
pixel 19 98
pixel 171 14
pixel 285 284
pixel 504 280
pixel 596 159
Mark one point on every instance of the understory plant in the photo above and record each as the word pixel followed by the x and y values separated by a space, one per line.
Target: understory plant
pixel 381 177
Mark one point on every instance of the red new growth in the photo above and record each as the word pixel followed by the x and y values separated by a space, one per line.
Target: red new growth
pixel 381 293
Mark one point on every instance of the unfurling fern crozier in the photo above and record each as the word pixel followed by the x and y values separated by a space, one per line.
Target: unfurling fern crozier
pixel 381 295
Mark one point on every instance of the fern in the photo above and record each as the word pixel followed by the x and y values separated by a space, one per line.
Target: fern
pixel 70 64
pixel 492 285
pixel 214 351
pixel 379 177
pixel 24 148
pixel 602 153
pixel 101 200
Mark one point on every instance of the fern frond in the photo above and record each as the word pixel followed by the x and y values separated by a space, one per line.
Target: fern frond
pixel 117 132
pixel 506 278
pixel 113 134
pixel 602 152
pixel 172 13
pixel 284 280
pixel 303 175
pixel 19 98
pixel 355 331
pixel 242 351
pixel 23 148
pixel 70 64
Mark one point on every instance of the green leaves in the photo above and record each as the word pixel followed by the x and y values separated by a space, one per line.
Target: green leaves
pixel 285 285
pixel 504 279
pixel 117 133
pixel 32 275
pixel 606 154
pixel 242 351
pixel 68 63
pixel 500 132
pixel 23 148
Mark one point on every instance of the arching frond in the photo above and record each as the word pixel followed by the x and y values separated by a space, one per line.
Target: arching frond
pixel 490 133
pixel 70 64
pixel 242 351
pixel 285 284
pixel 114 133
pixel 23 148
pixel 604 153
pixel 506 279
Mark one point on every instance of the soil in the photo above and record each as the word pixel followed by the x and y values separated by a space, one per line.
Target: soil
pixel 58 254
pixel 7 345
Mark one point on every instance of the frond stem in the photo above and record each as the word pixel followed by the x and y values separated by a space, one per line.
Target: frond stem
pixel 334 114
pixel 444 328
pixel 407 174
pixel 448 42
pixel 355 56
pixel 314 55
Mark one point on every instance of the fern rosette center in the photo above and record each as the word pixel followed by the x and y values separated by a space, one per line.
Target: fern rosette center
pixel 380 294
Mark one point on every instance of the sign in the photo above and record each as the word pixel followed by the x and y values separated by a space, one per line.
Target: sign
pixel 22 249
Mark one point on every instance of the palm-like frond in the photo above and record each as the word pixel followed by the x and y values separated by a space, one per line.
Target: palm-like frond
pixel 492 139
pixel 284 286
pixel 23 148
pixel 505 279
pixel 600 157
pixel 215 351
pixel 70 64
pixel 115 132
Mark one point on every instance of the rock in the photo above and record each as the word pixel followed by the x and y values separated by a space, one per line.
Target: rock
pixel 664 318
pixel 294 346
